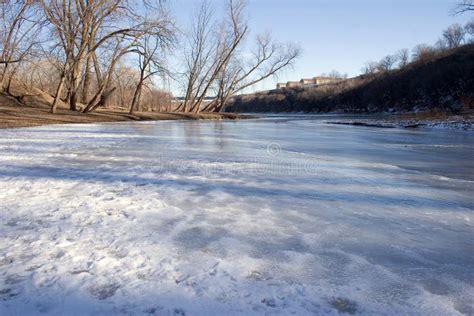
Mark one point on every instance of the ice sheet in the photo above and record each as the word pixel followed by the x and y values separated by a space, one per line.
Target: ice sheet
pixel 273 216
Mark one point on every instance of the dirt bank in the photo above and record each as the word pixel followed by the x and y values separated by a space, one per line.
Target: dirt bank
pixel 15 114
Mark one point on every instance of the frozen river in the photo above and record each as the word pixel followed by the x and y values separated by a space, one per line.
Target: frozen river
pixel 279 215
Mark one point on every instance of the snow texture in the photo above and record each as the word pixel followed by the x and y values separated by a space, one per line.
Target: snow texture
pixel 276 216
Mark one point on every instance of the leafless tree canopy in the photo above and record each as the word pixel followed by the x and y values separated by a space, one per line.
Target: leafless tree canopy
pixel 464 6
pixel 88 46
pixel 19 29
pixel 150 61
pixel 215 64
pixel 387 63
pixel 403 57
pixel 89 29
pixel 454 35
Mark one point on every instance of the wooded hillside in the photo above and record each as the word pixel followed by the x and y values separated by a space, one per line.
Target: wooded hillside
pixel 443 80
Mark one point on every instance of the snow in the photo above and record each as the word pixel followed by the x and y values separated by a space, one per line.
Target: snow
pixel 453 123
pixel 274 216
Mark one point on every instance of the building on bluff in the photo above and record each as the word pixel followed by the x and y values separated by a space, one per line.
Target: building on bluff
pixel 311 82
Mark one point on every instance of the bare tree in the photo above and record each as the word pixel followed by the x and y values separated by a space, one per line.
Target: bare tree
pixel 441 45
pixel 66 27
pixel 454 35
pixel 423 52
pixel 464 6
pixel 19 28
pixel 40 72
pixel 208 53
pixel 214 61
pixel 155 27
pixel 469 30
pixel 267 59
pixel 387 63
pixel 198 54
pixel 334 74
pixel 403 57
pixel 230 38
pixel 125 78
pixel 150 59
pixel 370 68
pixel 84 28
pixel 120 47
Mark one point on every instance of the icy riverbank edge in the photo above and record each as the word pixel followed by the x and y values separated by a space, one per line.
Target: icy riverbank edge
pixel 13 114
pixel 456 122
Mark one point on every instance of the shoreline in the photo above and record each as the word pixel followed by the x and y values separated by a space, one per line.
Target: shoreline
pixel 14 115
pixel 412 121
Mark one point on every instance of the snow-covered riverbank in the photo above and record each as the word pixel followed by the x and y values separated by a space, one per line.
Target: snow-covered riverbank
pixel 174 218
pixel 454 123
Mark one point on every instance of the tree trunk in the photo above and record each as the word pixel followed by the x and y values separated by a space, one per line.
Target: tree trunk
pixel 104 83
pixel 136 97
pixel 210 106
pixel 103 99
pixel 2 79
pixel 87 81
pixel 9 84
pixel 187 98
pixel 139 101
pixel 180 106
pixel 59 91
pixel 221 106
pixel 73 100
pixel 75 82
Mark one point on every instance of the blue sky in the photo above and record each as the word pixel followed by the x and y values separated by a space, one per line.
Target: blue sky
pixel 341 34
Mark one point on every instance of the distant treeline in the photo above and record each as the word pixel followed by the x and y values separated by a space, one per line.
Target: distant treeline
pixel 437 76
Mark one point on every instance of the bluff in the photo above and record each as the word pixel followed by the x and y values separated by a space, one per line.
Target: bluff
pixel 443 81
